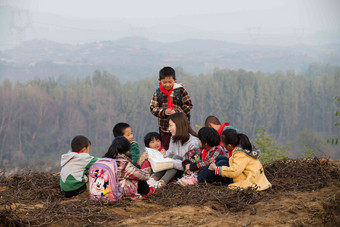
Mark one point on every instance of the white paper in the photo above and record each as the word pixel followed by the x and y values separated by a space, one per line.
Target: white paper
pixel 157 161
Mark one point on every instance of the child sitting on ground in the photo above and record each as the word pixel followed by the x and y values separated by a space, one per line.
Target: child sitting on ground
pixel 124 129
pixel 244 166
pixel 196 161
pixel 151 140
pixel 132 179
pixel 212 121
pixel 75 165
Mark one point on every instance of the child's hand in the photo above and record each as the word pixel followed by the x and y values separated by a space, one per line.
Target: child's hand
pixel 169 111
pixel 187 169
pixel 212 166
pixel 149 170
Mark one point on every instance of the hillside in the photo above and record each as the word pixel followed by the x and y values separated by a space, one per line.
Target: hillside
pixel 135 58
pixel 305 192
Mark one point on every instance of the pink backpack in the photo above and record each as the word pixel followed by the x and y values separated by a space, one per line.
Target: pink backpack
pixel 103 180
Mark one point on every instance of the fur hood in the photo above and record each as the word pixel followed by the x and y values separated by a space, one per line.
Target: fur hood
pixel 255 153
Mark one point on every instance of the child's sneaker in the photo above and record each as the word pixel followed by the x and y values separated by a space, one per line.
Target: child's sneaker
pixel 155 184
pixel 188 180
pixel 162 183
pixel 151 182
pixel 152 190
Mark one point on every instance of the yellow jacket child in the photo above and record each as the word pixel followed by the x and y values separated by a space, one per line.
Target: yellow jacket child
pixel 244 166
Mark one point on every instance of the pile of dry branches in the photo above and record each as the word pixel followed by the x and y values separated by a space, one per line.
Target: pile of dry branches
pixel 32 198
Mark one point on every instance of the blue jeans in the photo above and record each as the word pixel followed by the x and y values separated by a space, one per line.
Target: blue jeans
pixel 209 175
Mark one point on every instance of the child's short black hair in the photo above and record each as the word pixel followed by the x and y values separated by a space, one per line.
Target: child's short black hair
pixel 148 137
pixel 118 129
pixel 79 142
pixel 211 119
pixel 167 71
pixel 209 136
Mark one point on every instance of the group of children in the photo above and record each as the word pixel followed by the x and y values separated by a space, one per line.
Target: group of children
pixel 217 150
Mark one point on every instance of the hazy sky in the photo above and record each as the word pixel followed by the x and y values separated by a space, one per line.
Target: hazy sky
pixel 278 22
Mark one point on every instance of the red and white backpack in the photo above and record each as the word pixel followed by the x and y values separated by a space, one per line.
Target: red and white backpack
pixel 103 180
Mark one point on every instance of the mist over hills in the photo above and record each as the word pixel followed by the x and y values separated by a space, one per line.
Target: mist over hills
pixel 134 58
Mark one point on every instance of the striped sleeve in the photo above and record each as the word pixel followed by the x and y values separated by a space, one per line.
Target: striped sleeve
pixel 132 172
pixel 154 106
pixel 187 104
pixel 213 153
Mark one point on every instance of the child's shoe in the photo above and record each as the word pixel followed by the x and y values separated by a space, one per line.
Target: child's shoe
pixel 161 184
pixel 152 190
pixel 188 180
pixel 151 182
pixel 155 184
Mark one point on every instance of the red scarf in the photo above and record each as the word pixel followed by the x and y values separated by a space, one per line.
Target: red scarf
pixel 205 152
pixel 220 130
pixel 170 104
pixel 231 152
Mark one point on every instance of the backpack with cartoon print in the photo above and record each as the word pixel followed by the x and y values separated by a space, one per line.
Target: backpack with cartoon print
pixel 103 180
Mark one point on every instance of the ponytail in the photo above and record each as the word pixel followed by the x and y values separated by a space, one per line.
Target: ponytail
pixel 230 136
pixel 120 145
pixel 244 142
pixel 112 152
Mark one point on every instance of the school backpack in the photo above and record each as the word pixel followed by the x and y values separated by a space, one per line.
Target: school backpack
pixel 103 180
pixel 177 97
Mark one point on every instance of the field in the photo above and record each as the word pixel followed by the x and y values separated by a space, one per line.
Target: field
pixel 305 192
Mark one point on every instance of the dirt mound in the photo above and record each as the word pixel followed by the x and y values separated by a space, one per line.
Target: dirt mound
pixel 304 192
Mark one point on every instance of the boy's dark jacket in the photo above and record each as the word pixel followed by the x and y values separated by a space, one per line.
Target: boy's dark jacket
pixel 181 102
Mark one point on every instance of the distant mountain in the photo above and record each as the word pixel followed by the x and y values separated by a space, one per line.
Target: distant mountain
pixel 134 58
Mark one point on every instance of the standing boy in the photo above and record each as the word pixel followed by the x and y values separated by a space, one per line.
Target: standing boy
pixel 75 165
pixel 124 129
pixel 170 97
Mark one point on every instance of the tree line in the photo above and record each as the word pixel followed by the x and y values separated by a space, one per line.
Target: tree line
pixel 38 119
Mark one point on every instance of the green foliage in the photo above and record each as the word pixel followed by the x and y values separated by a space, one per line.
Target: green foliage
pixel 334 141
pixel 336 124
pixel 270 151
pixel 311 143
pixel 306 152
pixel 198 127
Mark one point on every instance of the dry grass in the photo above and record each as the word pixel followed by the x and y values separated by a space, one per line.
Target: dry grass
pixel 32 198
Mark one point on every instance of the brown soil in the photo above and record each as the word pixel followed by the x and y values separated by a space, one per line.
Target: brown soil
pixel 305 192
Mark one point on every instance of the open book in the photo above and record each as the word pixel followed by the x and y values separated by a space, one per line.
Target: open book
pixel 157 160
